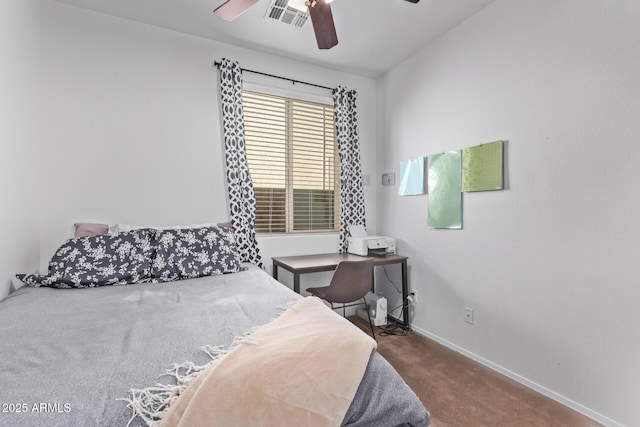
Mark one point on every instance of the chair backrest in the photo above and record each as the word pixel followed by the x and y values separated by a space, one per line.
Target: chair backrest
pixel 351 281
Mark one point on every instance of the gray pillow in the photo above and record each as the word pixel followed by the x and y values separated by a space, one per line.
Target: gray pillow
pixel 85 229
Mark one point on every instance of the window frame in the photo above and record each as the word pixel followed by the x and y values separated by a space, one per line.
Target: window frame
pixel 306 97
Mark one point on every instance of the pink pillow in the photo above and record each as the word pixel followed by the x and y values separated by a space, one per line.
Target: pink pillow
pixel 84 229
pixel 225 224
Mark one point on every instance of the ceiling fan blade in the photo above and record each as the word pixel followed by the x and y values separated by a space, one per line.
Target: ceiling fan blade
pixel 413 1
pixel 233 8
pixel 323 27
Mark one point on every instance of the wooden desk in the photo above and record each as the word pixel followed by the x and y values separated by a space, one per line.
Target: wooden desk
pixel 303 264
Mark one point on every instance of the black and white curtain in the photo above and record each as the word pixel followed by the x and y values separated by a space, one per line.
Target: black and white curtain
pixel 351 194
pixel 242 198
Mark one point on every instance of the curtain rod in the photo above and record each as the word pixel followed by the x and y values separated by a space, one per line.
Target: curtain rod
pixel 294 81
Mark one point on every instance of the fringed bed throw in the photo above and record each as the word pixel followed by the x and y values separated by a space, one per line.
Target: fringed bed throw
pixel 303 368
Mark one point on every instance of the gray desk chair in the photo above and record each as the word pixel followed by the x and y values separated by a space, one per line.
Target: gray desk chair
pixel 350 282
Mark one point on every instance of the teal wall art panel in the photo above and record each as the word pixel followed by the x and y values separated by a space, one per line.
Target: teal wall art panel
pixel 411 177
pixel 445 190
pixel 482 167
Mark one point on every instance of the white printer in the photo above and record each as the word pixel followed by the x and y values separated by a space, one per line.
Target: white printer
pixel 360 243
pixel 371 245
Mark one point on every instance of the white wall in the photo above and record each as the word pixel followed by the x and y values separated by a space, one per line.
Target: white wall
pixel 550 265
pixel 131 133
pixel 18 140
pixel 133 130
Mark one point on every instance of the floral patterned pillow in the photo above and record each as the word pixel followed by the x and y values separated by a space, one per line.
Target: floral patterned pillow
pixel 194 252
pixel 102 260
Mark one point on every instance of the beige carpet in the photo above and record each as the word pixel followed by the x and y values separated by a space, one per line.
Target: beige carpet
pixel 458 391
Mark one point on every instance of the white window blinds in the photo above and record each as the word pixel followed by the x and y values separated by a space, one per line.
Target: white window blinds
pixel 292 156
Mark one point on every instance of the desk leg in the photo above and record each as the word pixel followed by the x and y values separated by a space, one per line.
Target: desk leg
pixel 296 283
pixel 373 281
pixel 405 295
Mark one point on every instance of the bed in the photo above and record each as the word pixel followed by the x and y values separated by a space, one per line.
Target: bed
pixel 71 356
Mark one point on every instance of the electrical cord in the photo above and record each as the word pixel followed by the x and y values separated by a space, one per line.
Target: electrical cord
pixel 384 268
pixel 393 328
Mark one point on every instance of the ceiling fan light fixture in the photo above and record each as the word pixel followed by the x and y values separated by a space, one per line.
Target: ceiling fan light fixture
pixel 292 12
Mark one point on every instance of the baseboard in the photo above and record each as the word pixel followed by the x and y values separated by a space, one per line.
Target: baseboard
pixel 522 380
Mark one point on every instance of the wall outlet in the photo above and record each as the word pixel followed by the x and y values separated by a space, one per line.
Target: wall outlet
pixel 389 178
pixel 468 315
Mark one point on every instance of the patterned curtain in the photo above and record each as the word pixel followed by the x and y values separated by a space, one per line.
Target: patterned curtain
pixel 242 198
pixel 351 194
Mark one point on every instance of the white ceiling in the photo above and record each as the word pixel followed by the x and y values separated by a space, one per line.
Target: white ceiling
pixel 373 35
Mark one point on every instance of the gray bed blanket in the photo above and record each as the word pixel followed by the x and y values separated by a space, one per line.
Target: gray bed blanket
pixel 68 355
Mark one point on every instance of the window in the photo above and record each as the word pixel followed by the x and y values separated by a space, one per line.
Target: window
pixel 293 158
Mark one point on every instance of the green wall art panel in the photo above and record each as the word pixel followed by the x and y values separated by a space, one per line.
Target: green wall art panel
pixel 482 167
pixel 411 177
pixel 445 190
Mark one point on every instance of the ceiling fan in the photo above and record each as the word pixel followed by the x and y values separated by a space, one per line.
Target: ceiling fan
pixel 319 11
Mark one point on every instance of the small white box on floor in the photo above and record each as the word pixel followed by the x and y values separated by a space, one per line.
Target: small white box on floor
pixel 377 309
